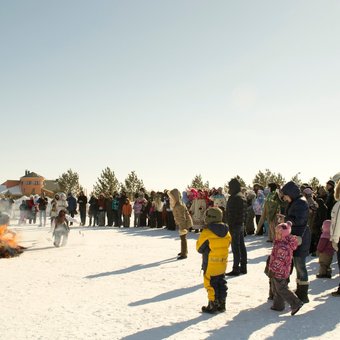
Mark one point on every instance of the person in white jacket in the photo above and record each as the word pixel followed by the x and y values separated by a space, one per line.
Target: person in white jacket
pixel 335 228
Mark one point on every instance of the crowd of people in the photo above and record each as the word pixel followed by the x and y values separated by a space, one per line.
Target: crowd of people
pixel 298 220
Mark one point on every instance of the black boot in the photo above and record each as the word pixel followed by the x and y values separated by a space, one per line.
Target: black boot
pixel 221 305
pixel 211 308
pixel 302 292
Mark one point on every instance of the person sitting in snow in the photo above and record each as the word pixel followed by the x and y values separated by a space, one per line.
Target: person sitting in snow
pixel 213 243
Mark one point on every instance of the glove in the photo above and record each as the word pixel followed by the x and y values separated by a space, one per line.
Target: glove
pixel 299 239
pixel 335 246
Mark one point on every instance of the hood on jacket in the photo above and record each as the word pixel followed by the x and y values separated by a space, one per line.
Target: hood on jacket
pixel 219 229
pixel 175 195
pixel 234 186
pixel 292 190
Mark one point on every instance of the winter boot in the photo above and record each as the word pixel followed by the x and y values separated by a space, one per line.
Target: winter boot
pixel 302 291
pixel 221 305
pixel 184 248
pixel 297 308
pixel 211 308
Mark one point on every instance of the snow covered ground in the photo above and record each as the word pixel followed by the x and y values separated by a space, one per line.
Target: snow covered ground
pixel 110 283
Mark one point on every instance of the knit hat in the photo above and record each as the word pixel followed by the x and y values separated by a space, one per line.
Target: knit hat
pixel 213 215
pixel 331 182
pixel 308 191
pixel 285 228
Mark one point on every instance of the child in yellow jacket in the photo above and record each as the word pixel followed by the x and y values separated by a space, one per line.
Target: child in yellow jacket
pixel 213 243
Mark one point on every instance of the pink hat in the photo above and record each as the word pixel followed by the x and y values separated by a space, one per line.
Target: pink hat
pixel 326 226
pixel 285 228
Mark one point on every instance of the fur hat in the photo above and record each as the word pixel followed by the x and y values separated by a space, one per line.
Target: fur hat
pixel 285 228
pixel 213 215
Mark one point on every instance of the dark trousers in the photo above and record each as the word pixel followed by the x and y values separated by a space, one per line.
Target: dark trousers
pixel 116 218
pixel 109 215
pixel 219 285
pixel 282 293
pixel 239 248
pixel 82 212
pixel 301 270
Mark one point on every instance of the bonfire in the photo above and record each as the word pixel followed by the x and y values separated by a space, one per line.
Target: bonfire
pixel 9 246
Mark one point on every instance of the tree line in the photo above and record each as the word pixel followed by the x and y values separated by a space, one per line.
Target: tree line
pixel 108 183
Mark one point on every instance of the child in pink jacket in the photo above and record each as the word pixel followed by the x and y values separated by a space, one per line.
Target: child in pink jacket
pixel 279 268
pixel 326 251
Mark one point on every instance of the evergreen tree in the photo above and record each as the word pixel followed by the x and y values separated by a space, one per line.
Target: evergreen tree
pixel 69 182
pixel 266 177
pixel 296 179
pixel 314 183
pixel 107 183
pixel 197 183
pixel 132 185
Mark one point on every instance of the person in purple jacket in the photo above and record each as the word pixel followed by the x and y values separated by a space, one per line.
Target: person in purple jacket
pixel 326 252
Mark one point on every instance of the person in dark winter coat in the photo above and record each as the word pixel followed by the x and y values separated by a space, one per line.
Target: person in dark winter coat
pixel 93 210
pixel 330 201
pixel 319 216
pixel 115 208
pixel 109 211
pixel 42 205
pixel 250 215
pixel 82 202
pixel 213 243
pixel 297 213
pixel 72 205
pixel 101 209
pixel 235 215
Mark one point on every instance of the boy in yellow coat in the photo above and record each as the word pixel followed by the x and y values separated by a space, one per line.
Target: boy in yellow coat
pixel 213 243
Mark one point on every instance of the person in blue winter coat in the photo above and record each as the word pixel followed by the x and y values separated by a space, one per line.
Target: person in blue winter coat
pixel 297 212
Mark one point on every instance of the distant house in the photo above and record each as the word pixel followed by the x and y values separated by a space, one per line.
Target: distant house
pixel 29 184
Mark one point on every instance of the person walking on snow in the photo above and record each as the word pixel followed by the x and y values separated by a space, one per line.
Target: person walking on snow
pixel 279 268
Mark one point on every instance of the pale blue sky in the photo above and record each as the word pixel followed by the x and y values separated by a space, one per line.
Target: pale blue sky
pixel 170 89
